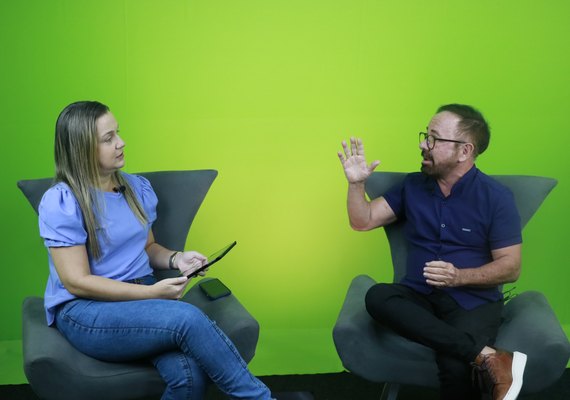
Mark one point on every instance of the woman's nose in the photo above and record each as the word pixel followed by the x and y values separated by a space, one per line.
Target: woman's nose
pixel 120 143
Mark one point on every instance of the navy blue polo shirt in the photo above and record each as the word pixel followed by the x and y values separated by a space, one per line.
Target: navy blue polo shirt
pixel 478 216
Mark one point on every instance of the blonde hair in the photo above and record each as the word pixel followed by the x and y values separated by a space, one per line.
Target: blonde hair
pixel 77 165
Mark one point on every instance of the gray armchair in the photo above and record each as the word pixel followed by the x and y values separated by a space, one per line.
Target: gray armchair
pixel 56 370
pixel 376 353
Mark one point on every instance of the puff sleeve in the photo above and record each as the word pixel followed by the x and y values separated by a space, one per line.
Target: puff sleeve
pixel 60 218
pixel 146 194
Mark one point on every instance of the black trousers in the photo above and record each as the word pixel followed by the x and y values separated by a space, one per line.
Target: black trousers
pixel 437 321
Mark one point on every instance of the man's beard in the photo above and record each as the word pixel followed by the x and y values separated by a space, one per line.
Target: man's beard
pixel 430 170
pixel 434 170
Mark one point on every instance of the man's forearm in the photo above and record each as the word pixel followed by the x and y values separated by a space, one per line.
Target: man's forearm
pixel 505 269
pixel 358 206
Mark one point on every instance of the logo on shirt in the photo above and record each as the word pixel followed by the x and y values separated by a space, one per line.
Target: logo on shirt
pixel 466 229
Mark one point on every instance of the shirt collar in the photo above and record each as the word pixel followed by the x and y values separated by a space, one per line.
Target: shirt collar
pixel 458 187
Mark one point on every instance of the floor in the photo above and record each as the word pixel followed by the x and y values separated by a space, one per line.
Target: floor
pixel 335 386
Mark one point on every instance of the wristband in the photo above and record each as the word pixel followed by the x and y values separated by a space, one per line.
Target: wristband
pixel 171 260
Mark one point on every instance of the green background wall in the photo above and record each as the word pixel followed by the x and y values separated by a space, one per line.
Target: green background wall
pixel 264 91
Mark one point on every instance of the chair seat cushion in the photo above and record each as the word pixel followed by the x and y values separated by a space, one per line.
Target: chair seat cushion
pixel 378 354
pixel 56 370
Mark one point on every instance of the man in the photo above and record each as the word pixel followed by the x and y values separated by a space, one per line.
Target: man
pixel 464 239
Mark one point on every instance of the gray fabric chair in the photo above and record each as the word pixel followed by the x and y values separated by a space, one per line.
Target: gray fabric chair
pixel 376 353
pixel 56 370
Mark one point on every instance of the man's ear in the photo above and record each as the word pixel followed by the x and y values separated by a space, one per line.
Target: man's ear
pixel 467 151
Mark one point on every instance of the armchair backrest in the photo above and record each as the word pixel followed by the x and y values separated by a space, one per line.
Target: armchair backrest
pixel 180 194
pixel 529 193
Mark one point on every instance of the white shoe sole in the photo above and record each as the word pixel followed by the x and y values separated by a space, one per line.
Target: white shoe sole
pixel 517 370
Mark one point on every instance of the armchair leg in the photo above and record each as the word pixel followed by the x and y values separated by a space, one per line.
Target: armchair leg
pixel 390 391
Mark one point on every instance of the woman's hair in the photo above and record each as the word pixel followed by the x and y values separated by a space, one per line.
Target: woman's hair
pixel 77 165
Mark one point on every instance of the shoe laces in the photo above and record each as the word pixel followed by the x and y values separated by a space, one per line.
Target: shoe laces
pixel 488 363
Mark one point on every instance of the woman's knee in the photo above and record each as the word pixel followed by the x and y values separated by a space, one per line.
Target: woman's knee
pixel 185 311
pixel 190 320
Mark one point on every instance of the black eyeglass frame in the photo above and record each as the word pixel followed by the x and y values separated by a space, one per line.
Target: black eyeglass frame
pixel 427 136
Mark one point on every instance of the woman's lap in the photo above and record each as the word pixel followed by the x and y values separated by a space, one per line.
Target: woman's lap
pixel 127 330
pixel 146 329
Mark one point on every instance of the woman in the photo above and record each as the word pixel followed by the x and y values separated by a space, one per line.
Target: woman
pixel 101 295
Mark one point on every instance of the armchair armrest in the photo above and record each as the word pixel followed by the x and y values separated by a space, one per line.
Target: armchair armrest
pixel 529 320
pixel 232 318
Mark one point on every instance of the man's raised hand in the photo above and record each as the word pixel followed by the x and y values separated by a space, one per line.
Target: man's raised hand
pixel 354 163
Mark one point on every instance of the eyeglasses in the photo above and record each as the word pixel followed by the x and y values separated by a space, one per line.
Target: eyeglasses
pixel 430 140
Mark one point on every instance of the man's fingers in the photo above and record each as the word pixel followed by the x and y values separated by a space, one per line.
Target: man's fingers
pixel 439 273
pixel 434 275
pixel 373 165
pixel 436 283
pixel 359 147
pixel 353 147
pixel 346 149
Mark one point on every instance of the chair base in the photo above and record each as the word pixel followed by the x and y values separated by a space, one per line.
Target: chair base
pixel 390 391
pixel 294 396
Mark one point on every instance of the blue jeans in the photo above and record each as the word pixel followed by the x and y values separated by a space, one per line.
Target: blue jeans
pixel 186 347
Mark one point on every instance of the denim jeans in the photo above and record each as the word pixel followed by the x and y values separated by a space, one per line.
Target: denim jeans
pixel 186 347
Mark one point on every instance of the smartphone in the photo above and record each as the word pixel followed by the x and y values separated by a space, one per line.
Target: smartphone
pixel 214 258
pixel 214 289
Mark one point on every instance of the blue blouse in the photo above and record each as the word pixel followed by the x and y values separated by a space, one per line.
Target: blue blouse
pixel 463 228
pixel 122 237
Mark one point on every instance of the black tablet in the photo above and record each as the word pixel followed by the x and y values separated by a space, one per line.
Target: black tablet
pixel 214 258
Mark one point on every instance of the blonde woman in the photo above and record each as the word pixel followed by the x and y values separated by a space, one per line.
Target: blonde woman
pixel 96 223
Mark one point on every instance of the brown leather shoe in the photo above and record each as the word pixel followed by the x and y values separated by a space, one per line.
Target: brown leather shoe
pixel 502 373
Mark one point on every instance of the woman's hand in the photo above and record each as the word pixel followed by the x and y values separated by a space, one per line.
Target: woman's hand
pixel 189 261
pixel 171 288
